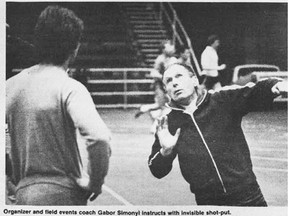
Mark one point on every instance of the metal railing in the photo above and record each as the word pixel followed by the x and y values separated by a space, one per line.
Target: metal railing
pixel 124 77
pixel 179 34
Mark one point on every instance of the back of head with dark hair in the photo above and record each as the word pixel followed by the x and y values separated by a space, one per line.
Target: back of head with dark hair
pixel 181 48
pixel 57 34
pixel 211 39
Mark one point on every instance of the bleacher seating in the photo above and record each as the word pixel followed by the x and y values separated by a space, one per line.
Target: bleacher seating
pixel 106 41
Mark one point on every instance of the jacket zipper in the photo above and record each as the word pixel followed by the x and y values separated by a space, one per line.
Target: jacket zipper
pixel 210 154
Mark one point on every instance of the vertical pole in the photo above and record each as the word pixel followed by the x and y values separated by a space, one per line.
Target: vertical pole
pixel 174 27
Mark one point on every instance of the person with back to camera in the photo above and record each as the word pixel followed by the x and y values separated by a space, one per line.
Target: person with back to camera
pixel 209 62
pixel 59 143
pixel 204 130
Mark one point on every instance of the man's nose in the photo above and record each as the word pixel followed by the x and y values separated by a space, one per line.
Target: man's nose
pixel 175 83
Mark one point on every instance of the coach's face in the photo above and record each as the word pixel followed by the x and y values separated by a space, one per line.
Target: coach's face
pixel 180 84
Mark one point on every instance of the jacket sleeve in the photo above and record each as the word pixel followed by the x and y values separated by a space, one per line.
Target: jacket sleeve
pixel 159 165
pixel 251 97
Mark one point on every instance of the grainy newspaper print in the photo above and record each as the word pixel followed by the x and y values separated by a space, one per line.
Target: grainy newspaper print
pixel 144 108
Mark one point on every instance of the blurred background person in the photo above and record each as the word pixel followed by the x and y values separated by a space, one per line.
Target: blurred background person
pixel 184 55
pixel 209 63
pixel 166 58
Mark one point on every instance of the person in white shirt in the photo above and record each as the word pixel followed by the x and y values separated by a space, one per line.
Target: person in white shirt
pixel 209 62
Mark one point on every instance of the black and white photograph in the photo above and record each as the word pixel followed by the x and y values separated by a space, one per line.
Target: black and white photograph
pixel 145 108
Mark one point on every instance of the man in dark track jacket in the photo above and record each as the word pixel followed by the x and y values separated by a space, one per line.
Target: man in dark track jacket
pixel 204 130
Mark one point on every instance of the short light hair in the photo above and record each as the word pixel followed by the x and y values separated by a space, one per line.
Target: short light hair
pixel 186 66
pixel 163 44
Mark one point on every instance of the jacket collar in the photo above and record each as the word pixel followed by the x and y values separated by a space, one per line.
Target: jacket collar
pixel 202 93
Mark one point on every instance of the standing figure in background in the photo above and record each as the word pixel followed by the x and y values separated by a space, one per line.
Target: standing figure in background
pixel 209 62
pixel 59 143
pixel 184 55
pixel 161 63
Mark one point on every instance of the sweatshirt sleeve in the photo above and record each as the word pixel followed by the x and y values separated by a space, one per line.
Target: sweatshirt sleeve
pixel 251 97
pixel 159 165
pixel 93 132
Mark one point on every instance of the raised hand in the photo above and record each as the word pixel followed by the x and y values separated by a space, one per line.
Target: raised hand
pixel 167 141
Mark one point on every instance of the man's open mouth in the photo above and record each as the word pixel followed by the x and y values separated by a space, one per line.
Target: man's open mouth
pixel 178 91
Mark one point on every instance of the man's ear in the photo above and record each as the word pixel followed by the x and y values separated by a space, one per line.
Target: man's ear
pixel 73 55
pixel 164 88
pixel 76 50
